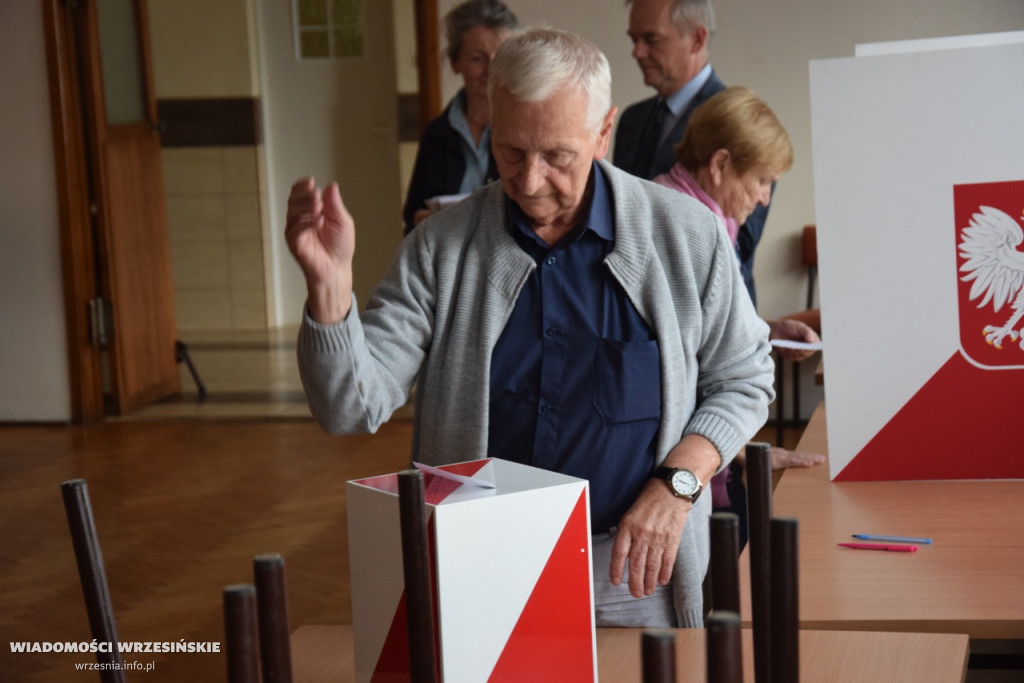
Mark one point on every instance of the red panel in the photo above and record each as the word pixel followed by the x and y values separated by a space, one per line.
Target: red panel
pixel 553 639
pixel 964 423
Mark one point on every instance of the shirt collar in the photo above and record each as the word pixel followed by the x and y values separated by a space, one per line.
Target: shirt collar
pixel 597 219
pixel 458 121
pixel 680 99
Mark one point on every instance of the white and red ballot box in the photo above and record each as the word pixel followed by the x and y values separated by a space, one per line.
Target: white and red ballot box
pixel 512 578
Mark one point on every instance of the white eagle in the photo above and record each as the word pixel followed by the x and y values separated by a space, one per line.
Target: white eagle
pixel 989 248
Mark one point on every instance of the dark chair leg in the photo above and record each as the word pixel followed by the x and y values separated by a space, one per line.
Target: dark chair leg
pixel 416 566
pixel 785 607
pixel 240 639
pixel 94 578
pixel 724 648
pixel 182 355
pixel 272 613
pixel 759 512
pixel 658 649
pixel 725 552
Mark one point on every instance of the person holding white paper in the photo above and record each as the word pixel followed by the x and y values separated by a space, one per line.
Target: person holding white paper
pixel 454 155
pixel 733 152
pixel 573 317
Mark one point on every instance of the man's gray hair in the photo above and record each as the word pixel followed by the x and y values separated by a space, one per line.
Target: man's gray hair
pixel 688 13
pixel 532 65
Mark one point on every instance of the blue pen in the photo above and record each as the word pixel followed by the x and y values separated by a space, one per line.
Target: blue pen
pixel 893 539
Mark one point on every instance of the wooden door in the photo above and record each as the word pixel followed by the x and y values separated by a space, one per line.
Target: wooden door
pixel 121 252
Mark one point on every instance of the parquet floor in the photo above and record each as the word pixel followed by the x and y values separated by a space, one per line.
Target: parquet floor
pixel 181 507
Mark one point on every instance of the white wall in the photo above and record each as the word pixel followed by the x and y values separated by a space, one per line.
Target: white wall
pixel 767 45
pixel 34 382
pixel 334 120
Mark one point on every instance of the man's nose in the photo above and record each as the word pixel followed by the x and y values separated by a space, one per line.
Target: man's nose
pixel 533 175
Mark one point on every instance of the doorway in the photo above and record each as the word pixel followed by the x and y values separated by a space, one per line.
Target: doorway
pixel 114 247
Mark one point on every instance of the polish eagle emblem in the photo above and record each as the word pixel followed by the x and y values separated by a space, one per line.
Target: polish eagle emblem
pixel 994 265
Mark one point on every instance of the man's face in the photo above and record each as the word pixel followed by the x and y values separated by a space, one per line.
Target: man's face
pixel 544 152
pixel 667 59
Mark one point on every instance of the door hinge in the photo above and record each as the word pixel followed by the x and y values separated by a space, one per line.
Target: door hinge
pixel 100 323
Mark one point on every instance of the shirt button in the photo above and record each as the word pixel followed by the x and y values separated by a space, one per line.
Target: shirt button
pixel 551 260
pixel 545 408
pixel 551 332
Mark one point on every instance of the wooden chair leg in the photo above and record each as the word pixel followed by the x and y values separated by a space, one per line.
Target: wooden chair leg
pixel 759 512
pixel 272 610
pixel 93 577
pixel 785 607
pixel 416 566
pixel 240 637
pixel 724 648
pixel 658 648
pixel 724 566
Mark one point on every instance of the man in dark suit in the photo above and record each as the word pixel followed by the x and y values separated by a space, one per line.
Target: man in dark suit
pixel 670 44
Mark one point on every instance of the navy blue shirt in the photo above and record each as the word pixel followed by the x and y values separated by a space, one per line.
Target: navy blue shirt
pixel 576 373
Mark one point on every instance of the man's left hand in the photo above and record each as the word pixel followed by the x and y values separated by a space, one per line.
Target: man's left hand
pixel 648 538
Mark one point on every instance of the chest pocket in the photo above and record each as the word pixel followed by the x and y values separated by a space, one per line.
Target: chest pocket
pixel 627 383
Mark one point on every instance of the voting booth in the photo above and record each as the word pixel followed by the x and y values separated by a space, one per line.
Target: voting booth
pixel 512 578
pixel 919 194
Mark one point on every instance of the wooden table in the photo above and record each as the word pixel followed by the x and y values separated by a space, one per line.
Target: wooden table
pixel 324 653
pixel 971 580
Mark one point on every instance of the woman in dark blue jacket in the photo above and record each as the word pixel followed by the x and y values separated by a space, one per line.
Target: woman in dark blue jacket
pixel 454 155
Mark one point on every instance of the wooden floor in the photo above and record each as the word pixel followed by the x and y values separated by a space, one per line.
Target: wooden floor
pixel 181 509
pixel 181 506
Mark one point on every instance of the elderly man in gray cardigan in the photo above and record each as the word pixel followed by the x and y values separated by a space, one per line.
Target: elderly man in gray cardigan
pixel 571 317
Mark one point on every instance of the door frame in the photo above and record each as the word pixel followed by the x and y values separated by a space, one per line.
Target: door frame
pixel 78 252
pixel 84 143
pixel 428 70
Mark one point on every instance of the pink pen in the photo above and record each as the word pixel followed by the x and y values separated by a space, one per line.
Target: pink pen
pixel 880 546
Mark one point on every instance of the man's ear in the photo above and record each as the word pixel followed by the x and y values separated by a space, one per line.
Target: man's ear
pixel 700 38
pixel 605 133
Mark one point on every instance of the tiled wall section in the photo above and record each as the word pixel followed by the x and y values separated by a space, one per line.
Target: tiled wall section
pixel 213 212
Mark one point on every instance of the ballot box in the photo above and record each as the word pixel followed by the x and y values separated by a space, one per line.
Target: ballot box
pixel 512 578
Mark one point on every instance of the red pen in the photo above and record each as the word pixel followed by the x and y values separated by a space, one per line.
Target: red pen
pixel 880 546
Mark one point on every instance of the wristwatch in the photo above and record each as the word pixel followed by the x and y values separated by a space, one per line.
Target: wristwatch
pixel 682 483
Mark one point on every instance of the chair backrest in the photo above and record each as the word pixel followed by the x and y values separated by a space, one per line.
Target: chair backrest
pixel 809 258
pixel 93 577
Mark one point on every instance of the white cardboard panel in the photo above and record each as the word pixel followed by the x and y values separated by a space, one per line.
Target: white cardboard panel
pixel 892 135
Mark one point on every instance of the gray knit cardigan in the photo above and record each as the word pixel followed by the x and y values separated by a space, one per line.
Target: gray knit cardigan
pixel 440 309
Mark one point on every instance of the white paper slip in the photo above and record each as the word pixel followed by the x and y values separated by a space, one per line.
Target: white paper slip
pixel 444 201
pixel 462 479
pixel 803 346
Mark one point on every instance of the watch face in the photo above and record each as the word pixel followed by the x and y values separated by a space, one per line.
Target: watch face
pixel 684 482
